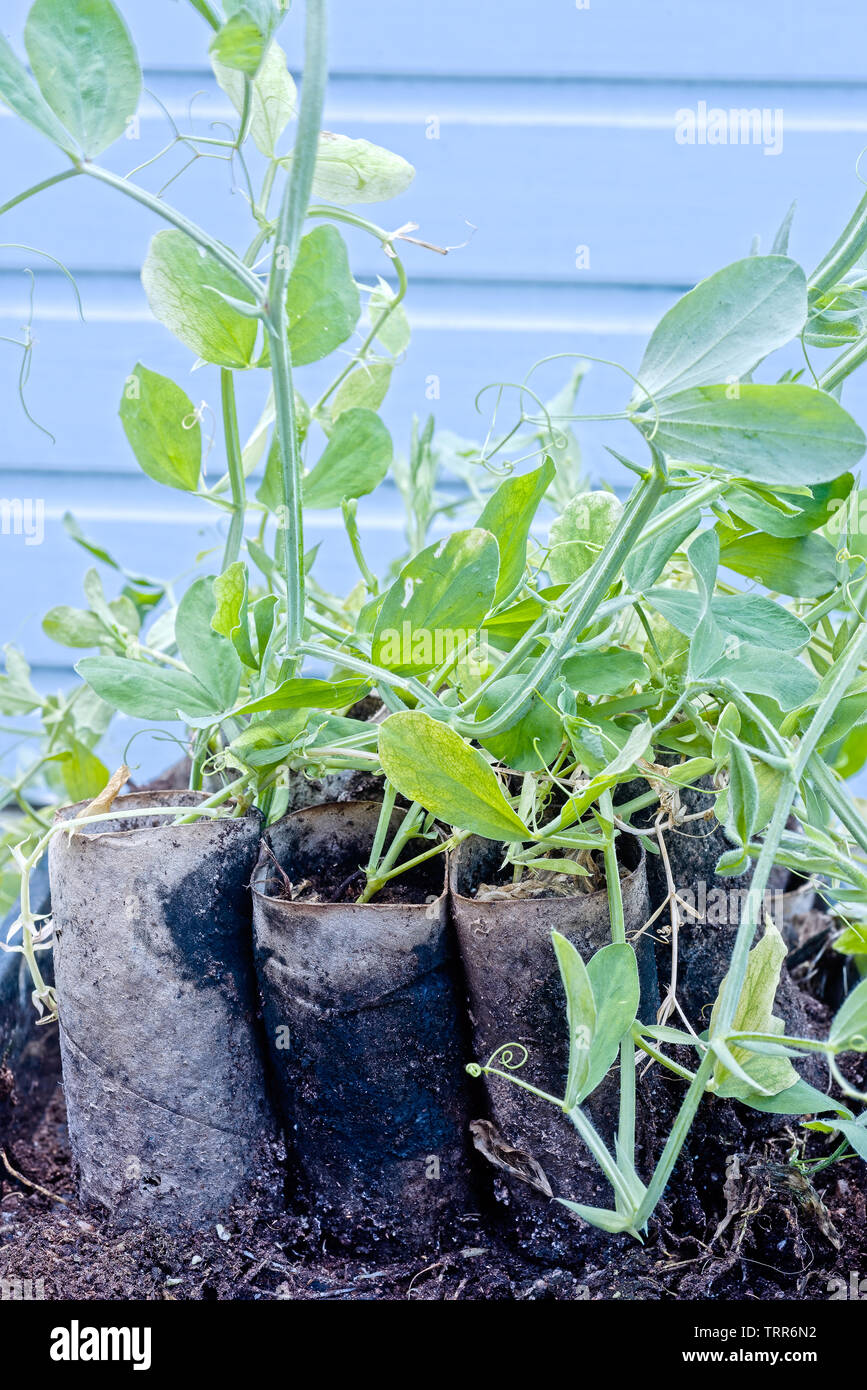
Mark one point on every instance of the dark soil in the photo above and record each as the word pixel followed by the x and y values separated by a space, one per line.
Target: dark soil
pixel 739 1221
pixel 341 880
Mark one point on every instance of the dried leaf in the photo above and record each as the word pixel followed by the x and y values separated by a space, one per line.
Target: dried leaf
pixel 103 803
pixel 494 1148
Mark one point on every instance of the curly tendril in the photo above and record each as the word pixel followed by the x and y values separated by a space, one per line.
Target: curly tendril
pixel 506 1054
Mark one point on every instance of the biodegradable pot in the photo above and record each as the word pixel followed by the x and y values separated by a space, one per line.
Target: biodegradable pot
pixel 363 1008
pixel 29 1055
pixel 162 1053
pixel 516 997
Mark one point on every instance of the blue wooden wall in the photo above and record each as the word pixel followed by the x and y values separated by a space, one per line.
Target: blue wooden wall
pixel 556 126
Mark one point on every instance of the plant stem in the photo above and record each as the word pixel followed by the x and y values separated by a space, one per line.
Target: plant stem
pixel 846 251
pixel 288 235
pixel 844 365
pixel 596 1146
pixel 38 188
pixel 389 797
pixel 405 832
pixel 841 804
pixel 626 1121
pixel 235 467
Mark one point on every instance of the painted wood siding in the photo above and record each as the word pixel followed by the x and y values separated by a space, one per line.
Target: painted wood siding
pixel 555 127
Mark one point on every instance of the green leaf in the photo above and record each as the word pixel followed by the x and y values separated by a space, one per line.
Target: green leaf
pixel 274 97
pixel 17 694
pixel 83 773
pixel 231 614
pixel 849 1027
pixel 242 40
pixel 577 536
pixel 646 562
pixel 723 328
pixel 366 386
pixel 754 1014
pixel 769 780
pixel 210 656
pixel 743 794
pixel 749 617
pixel 770 434
pixel 355 171
pixel 761 671
pixel 22 97
pixel 708 642
pixel 264 613
pixel 580 1015
pixel 604 672
pixel 613 974
pixel 800 1099
pixel 759 620
pixel 74 627
pixel 856 1134
pixel 534 741
pixel 438 600
pixel 160 423
pixel 322 298
pixel 84 60
pixel 144 691
pixel 508 515
pixel 354 462
pixel 430 763
pixel 790 514
pixel 803 566
pixel 852 941
pixel 181 281
pixel 308 693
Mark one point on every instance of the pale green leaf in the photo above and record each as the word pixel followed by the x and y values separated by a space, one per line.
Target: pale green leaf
pixel 22 96
pixel 722 329
pixel 508 514
pixel 322 298
pixel 438 600
pixel 210 656
pixel 366 386
pixel 274 97
pixel 754 1014
pixel 160 423
pixel 355 171
pixel 580 1015
pixel 430 763
pixel 578 535
pixel 771 434
pixel 849 1027
pixel 613 975
pixel 354 462
pixel 144 691
pixel 74 627
pixel 181 281
pixel 84 60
